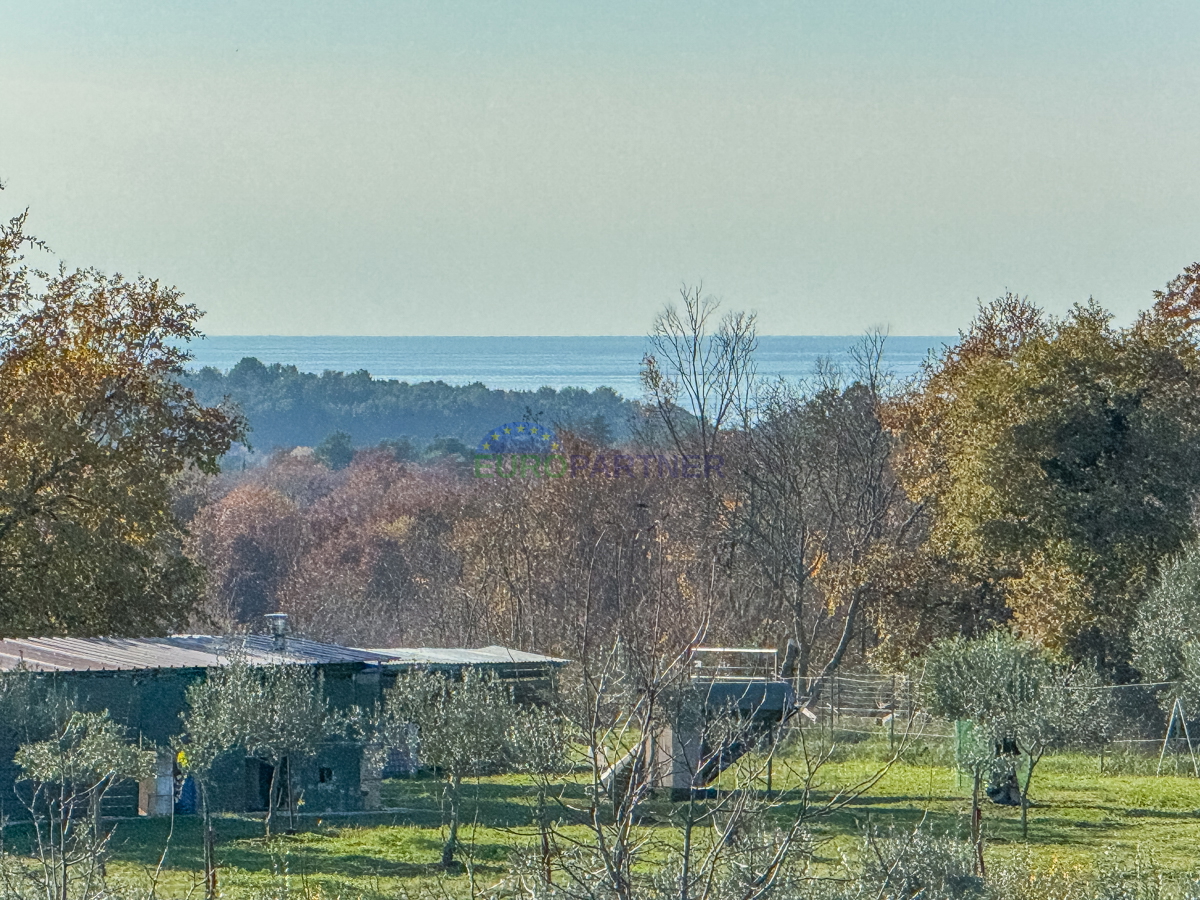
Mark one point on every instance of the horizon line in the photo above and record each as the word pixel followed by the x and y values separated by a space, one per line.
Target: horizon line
pixel 543 336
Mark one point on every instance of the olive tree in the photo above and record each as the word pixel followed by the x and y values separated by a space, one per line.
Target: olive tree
pixel 733 804
pixel 278 713
pixel 1166 632
pixel 540 746
pixel 33 705
pixel 71 772
pixel 461 728
pixel 1019 698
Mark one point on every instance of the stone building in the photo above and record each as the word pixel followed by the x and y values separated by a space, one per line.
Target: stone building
pixel 142 683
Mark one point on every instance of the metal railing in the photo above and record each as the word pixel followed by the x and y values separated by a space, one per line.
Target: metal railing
pixel 735 664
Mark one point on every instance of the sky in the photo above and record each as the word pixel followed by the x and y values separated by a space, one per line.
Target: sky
pixel 563 168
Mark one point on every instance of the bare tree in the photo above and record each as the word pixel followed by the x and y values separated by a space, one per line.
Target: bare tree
pixel 698 380
pixel 821 505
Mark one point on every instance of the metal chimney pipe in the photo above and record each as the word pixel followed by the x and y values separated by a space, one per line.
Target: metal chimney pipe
pixel 278 623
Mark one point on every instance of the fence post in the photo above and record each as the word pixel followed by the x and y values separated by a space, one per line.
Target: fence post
pixel 892 718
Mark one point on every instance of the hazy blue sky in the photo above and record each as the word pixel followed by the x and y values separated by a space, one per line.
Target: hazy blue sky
pixel 560 167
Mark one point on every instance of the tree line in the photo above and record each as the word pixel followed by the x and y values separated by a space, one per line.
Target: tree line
pixel 286 408
pixel 1036 476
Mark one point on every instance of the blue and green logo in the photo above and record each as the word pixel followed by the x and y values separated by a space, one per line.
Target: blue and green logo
pixel 526 449
pixel 520 448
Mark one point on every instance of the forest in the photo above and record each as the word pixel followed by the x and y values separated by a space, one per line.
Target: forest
pixel 1038 475
pixel 287 408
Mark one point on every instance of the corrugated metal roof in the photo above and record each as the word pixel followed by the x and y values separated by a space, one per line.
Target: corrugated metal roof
pixel 181 651
pixel 445 656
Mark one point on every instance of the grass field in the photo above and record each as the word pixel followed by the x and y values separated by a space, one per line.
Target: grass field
pixel 1082 820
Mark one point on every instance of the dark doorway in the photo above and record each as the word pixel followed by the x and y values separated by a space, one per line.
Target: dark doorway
pixel 259 773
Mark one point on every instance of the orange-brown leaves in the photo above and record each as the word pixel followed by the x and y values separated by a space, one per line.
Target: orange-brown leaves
pixel 1180 300
pixel 93 427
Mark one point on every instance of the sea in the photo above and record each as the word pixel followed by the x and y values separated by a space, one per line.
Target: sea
pixel 528 363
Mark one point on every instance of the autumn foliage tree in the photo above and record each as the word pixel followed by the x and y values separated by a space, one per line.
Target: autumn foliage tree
pixel 94 425
pixel 361 555
pixel 249 541
pixel 1035 475
pixel 1059 459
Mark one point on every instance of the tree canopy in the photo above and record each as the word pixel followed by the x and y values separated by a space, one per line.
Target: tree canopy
pixel 1166 634
pixel 1059 458
pixel 1035 477
pixel 462 728
pixel 278 713
pixel 94 426
pixel 1019 697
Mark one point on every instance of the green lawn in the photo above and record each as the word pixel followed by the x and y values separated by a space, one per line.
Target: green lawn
pixel 1081 819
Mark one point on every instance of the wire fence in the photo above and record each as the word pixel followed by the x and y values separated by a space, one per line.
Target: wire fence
pixel 863 702
pixel 870 695
pixel 867 703
pixel 859 696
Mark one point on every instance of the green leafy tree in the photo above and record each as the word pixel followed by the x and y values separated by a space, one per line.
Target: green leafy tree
pixel 336 451
pixel 32 706
pixel 461 728
pixel 1019 698
pixel 209 730
pixel 401 449
pixel 94 427
pixel 278 713
pixel 72 771
pixel 1166 635
pixel 539 738
pixel 1058 458
pixel 446 447
pixel 289 408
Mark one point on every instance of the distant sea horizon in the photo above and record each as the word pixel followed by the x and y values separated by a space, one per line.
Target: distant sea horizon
pixel 529 363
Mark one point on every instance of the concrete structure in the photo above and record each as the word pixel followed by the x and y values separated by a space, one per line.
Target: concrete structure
pixel 142 683
pixel 735 701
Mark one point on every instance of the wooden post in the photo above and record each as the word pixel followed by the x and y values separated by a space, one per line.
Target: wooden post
pixel 977 824
pixel 959 726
